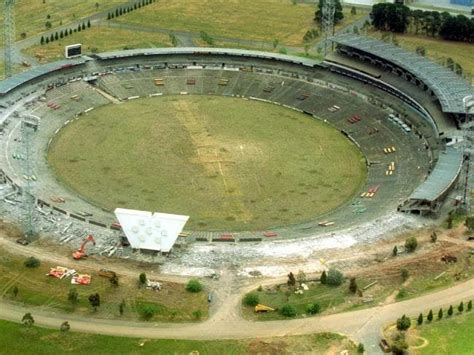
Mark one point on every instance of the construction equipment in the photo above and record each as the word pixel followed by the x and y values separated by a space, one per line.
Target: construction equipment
pixel 80 253
pixel 261 308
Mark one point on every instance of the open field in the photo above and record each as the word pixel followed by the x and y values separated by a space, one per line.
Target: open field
pixel 438 49
pixel 447 336
pixel 99 39
pixel 173 303
pixel 228 163
pixel 31 15
pixel 16 339
pixel 259 20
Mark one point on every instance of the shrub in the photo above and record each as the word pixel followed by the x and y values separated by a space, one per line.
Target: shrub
pixel 420 319
pixel 142 278
pixel 461 307
pixel 73 296
pixel 32 262
pixel 335 277
pixel 440 313
pixel 313 308
pixel 469 305
pixel 324 277
pixel 360 348
pixel 147 312
pixel 429 317
pixel 251 299
pixel 410 244
pixel 288 310
pixel 395 251
pixel 197 314
pixel 450 311
pixel 353 285
pixel 194 286
pixel 403 323
pixel 402 293
pixel 405 274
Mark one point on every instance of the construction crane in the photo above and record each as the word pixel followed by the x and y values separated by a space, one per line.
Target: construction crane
pixel 81 253
pixel 9 35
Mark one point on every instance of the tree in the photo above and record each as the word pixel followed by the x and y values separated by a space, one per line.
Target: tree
pixel 313 308
pixel 391 17
pixel 301 277
pixel 403 323
pixel 88 23
pixel 434 237
pixel 429 317
pixel 251 299
pixel 28 320
pixel 338 14
pixel 32 262
pixel 97 6
pixel 15 291
pixel 404 273
pixel 73 296
pixel 470 223
pixel 324 277
pixel 122 307
pixel 108 16
pixel 70 31
pixel 61 34
pixel 395 251
pixel 335 277
pixel 469 305
pixel 42 40
pixel 440 313
pixel 353 285
pixel 142 278
pixel 353 10
pixel 48 25
pixel 83 26
pixel 275 43
pixel 449 221
pixel 94 300
pixel 399 345
pixel 419 321
pixel 288 310
pixel 291 279
pixel 46 40
pixel 51 38
pixel 450 311
pixel 65 327
pixel 360 348
pixel 194 286
pixel 410 244
pixel 114 280
pixel 56 36
pixel 461 307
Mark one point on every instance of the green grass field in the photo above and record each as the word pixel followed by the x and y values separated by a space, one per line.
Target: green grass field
pixel 449 336
pixel 99 39
pixel 228 163
pixel 17 339
pixel 172 304
pixel 31 15
pixel 259 20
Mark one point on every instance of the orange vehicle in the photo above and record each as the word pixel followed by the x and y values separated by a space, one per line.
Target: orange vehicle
pixel 81 253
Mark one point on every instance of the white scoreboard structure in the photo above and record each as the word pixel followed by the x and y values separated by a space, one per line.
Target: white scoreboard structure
pixel 151 231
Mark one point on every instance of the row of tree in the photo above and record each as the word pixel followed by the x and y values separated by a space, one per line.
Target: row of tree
pixel 399 18
pixel 119 11
pixel 64 33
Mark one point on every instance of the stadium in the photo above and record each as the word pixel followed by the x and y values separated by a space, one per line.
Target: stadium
pixel 282 163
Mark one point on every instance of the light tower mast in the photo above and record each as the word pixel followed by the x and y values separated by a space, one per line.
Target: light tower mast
pixel 9 35
pixel 327 21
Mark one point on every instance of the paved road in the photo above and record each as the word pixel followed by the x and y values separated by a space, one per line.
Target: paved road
pixel 226 322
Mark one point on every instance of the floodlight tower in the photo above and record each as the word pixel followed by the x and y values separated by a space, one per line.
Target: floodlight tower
pixel 327 21
pixel 9 35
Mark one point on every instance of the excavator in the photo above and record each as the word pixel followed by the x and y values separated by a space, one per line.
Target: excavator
pixel 80 253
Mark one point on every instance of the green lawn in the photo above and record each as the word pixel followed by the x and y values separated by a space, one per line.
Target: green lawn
pixel 449 336
pixel 17 339
pixel 99 39
pixel 173 303
pixel 31 15
pixel 228 163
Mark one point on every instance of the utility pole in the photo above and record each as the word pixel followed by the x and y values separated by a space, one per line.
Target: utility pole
pixel 327 22
pixel 9 35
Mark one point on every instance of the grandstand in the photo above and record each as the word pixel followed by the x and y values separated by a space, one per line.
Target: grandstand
pixel 59 93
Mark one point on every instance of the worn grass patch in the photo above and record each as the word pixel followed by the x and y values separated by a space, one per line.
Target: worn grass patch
pixel 228 163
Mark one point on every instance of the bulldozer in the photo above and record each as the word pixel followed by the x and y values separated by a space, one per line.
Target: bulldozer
pixel 81 253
